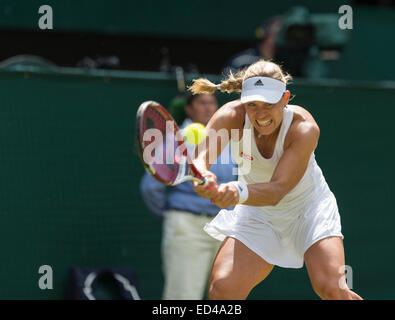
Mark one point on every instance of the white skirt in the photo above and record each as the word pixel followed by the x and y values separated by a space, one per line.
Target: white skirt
pixel 279 238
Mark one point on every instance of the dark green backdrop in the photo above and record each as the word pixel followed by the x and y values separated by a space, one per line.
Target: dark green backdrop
pixel 69 188
pixel 368 54
pixel 204 18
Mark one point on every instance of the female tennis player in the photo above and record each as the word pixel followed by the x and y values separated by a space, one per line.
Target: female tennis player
pixel 285 214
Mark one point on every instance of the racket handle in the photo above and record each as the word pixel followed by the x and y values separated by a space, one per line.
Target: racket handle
pixel 204 182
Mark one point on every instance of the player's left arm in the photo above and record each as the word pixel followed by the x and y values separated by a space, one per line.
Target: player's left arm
pixel 290 168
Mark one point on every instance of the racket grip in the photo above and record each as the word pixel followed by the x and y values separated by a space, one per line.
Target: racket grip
pixel 204 182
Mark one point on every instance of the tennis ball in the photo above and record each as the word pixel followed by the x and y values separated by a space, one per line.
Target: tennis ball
pixel 194 133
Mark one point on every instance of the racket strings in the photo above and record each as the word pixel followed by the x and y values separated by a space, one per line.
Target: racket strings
pixel 167 161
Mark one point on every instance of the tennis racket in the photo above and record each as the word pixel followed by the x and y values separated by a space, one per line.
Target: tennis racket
pixel 161 146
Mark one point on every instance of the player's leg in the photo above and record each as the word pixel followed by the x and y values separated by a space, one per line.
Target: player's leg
pixel 236 270
pixel 324 262
pixel 215 246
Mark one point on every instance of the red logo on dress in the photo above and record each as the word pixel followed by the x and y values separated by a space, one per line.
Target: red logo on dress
pixel 246 156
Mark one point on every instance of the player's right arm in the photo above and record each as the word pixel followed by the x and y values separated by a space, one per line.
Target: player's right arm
pixel 228 117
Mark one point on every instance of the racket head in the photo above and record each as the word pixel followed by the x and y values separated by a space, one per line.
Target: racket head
pixel 169 159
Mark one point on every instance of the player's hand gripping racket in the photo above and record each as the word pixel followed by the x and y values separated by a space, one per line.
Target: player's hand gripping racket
pixel 161 146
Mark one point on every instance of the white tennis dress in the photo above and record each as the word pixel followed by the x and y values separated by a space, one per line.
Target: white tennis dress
pixel 282 233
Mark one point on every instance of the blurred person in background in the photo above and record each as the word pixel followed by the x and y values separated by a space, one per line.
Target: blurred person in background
pixel 265 46
pixel 187 251
pixel 288 39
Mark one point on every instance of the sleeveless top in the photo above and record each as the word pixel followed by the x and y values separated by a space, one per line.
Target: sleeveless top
pixel 254 168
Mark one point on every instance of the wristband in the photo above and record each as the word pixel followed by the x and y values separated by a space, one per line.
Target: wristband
pixel 242 189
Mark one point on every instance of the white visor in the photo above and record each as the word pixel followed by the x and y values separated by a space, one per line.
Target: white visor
pixel 262 89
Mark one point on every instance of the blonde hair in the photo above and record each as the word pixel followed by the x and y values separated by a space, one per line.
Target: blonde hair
pixel 233 83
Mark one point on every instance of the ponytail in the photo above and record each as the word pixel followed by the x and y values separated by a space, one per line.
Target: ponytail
pixel 234 82
pixel 202 85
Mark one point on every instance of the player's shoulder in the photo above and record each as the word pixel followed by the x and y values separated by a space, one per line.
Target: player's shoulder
pixel 235 107
pixel 303 126
pixel 303 121
pixel 232 112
